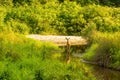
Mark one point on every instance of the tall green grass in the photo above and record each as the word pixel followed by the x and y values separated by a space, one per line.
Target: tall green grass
pixel 26 59
pixel 105 50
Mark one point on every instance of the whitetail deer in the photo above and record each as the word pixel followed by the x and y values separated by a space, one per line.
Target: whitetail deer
pixel 68 50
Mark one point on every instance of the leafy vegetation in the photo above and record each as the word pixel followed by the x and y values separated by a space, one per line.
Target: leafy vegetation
pixel 104 50
pixel 28 60
pixel 53 17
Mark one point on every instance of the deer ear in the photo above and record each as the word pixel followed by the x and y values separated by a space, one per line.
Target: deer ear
pixel 67 38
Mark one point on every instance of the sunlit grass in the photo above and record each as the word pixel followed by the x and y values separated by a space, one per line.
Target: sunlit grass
pixel 27 59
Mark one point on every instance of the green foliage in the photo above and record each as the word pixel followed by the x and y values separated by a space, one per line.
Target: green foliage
pixel 28 59
pixel 91 52
pixel 18 27
pixel 86 2
pixel 107 51
pixel 81 2
pixel 69 20
pixel 22 59
pixel 6 3
pixel 66 18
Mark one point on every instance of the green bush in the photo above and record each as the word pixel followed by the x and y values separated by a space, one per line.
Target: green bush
pixel 91 52
pixel 80 2
pixel 106 52
pixel 104 22
pixel 6 3
pixel 65 18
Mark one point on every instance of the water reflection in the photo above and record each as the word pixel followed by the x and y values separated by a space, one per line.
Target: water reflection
pixel 103 73
pixel 100 73
pixel 75 49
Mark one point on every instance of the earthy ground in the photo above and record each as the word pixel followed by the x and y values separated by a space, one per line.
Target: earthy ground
pixel 59 40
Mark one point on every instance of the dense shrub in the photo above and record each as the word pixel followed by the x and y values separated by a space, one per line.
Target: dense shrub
pixel 6 3
pixel 80 2
pixel 104 22
pixel 70 20
pixel 66 18
pixel 105 50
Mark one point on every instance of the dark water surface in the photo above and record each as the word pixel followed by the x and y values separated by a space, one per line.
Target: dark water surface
pixel 100 73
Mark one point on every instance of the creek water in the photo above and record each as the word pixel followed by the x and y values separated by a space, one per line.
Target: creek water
pixel 100 73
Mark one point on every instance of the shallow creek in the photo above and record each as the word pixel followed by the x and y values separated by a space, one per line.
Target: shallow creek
pixel 100 73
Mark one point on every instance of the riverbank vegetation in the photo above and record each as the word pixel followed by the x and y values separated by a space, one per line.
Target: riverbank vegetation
pixel 105 50
pixel 26 59
pixel 98 20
